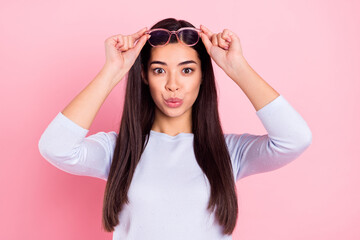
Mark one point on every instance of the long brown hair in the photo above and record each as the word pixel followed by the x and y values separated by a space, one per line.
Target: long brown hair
pixel 209 144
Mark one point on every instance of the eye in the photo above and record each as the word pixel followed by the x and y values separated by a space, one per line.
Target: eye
pixel 154 70
pixel 188 69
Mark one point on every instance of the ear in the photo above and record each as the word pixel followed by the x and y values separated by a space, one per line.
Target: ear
pixel 144 78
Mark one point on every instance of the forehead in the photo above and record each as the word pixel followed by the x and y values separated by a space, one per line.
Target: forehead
pixel 173 53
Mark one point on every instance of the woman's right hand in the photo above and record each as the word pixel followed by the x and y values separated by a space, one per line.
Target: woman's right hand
pixel 121 51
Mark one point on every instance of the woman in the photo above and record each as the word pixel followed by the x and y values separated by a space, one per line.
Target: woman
pixel 170 170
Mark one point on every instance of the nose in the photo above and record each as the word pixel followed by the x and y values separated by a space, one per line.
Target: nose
pixel 171 84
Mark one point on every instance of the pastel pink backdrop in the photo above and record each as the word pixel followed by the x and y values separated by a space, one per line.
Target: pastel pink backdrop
pixel 307 50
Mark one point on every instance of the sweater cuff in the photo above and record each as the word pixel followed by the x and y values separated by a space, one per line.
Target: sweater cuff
pixel 279 100
pixel 275 115
pixel 282 121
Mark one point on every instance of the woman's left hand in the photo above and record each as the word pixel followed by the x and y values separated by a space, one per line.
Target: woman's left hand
pixel 224 48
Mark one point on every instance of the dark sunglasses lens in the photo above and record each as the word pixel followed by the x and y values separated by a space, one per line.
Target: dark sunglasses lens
pixel 158 37
pixel 189 36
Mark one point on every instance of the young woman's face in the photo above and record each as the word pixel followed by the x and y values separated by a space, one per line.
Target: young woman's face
pixel 174 71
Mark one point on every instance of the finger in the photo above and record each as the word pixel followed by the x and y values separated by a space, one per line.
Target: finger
pixel 206 42
pixel 128 43
pixel 135 37
pixel 210 35
pixel 114 40
pixel 235 42
pixel 214 39
pixel 207 32
pixel 226 35
pixel 125 45
pixel 131 42
pixel 117 42
pixel 139 33
pixel 221 41
pixel 140 43
pixel 118 45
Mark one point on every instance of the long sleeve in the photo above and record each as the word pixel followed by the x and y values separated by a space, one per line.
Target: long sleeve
pixel 288 137
pixel 64 144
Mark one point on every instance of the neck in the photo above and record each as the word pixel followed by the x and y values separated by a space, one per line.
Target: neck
pixel 172 125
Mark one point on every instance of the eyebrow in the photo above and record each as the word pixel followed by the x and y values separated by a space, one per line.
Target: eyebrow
pixel 182 63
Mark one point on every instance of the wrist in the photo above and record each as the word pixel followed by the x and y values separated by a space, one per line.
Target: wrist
pixel 240 64
pixel 112 73
pixel 238 67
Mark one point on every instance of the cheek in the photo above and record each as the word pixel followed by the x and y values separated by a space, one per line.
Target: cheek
pixel 193 89
pixel 155 91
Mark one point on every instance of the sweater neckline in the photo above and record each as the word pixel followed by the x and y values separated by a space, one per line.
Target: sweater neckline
pixel 167 136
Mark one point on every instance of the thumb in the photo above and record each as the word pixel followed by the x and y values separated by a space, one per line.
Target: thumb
pixel 206 42
pixel 140 43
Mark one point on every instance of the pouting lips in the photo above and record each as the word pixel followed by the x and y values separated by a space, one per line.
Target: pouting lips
pixel 173 102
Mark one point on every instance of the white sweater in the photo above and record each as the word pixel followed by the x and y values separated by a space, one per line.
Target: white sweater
pixel 169 192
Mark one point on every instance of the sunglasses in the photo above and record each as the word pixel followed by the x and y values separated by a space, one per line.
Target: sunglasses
pixel 186 35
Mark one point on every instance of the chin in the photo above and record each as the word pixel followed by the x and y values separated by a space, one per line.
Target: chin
pixel 172 112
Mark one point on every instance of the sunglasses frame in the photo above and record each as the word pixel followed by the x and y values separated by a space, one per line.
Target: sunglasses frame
pixel 176 34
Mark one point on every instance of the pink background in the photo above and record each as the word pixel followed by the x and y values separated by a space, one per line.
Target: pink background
pixel 308 51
